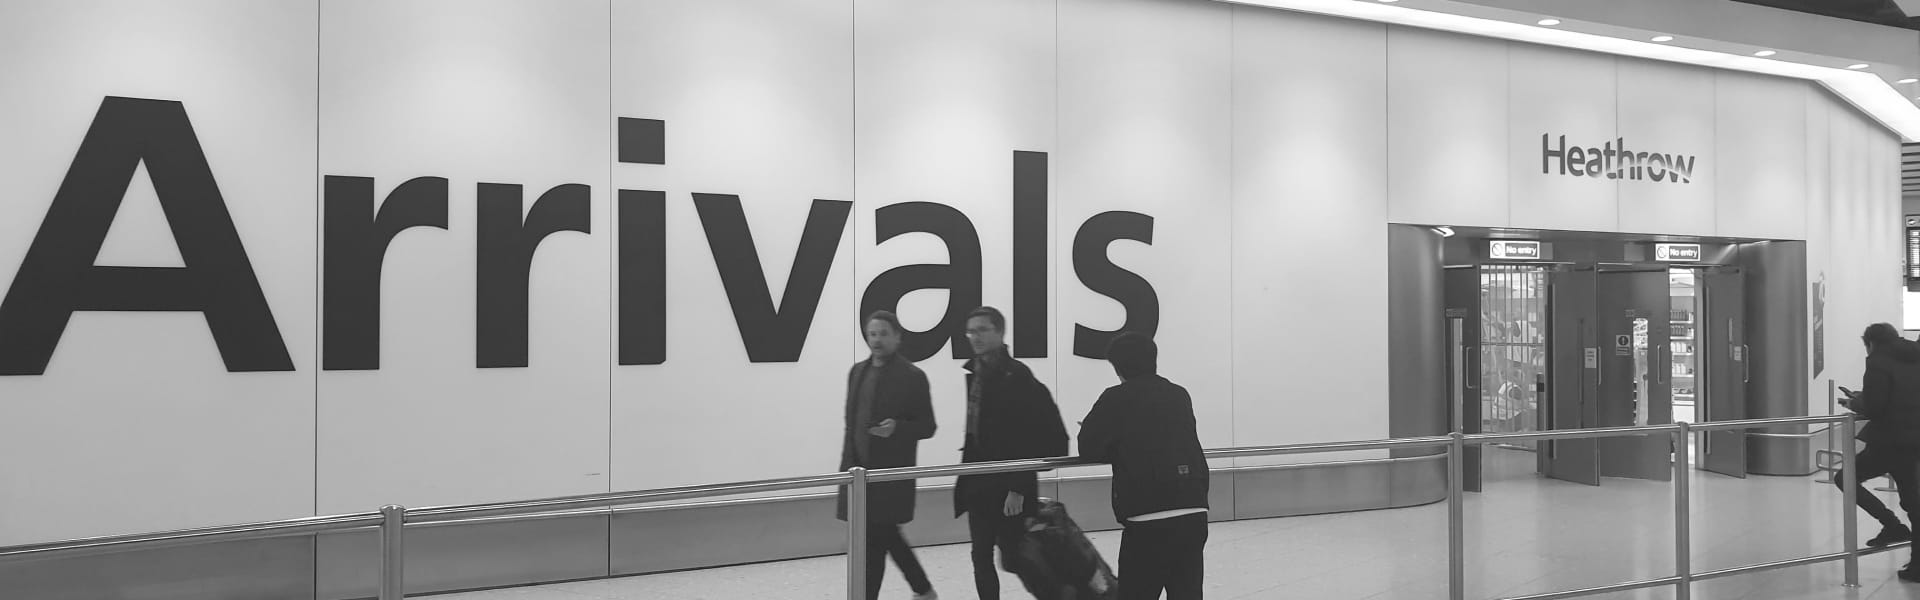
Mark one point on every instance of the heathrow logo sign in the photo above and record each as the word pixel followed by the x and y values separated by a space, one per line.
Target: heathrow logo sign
pixel 1612 160
pixel 58 276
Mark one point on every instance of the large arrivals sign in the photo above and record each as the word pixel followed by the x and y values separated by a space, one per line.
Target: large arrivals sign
pixel 59 276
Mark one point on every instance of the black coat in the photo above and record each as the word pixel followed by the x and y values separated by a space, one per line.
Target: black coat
pixel 1145 427
pixel 1890 395
pixel 901 394
pixel 1017 420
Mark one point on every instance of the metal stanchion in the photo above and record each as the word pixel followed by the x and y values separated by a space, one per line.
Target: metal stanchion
pixel 1832 395
pixel 1456 519
pixel 1682 513
pixel 393 570
pixel 1850 517
pixel 857 534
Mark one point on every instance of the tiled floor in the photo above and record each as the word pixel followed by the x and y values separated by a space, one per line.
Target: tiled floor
pixel 1526 535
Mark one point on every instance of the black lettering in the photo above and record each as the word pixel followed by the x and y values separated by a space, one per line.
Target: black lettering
pixel 505 247
pixel 1548 153
pixel 1099 274
pixel 58 277
pixel 960 276
pixel 643 277
pixel 642 141
pixel 1030 254
pixel 770 334
pixel 1683 168
pixel 356 241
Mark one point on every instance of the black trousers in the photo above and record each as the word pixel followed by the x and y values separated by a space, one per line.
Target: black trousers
pixel 884 540
pixel 988 527
pixel 1902 465
pixel 1165 554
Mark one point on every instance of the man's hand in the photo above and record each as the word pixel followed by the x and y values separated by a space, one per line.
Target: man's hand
pixel 1015 503
pixel 883 430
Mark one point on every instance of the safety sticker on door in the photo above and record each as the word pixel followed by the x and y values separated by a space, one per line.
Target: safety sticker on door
pixel 1593 358
pixel 1623 345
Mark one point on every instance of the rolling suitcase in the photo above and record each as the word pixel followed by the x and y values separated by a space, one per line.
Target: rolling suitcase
pixel 1055 561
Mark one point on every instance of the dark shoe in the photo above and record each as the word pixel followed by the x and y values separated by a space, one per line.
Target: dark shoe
pixel 1889 535
pixel 1908 574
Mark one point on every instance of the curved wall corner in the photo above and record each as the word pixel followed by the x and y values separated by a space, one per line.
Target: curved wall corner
pixel 1416 397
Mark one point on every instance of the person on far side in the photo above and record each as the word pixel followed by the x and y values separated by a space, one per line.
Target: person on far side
pixel 1145 427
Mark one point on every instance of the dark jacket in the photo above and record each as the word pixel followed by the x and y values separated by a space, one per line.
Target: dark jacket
pixel 1017 420
pixel 1890 395
pixel 901 394
pixel 1145 427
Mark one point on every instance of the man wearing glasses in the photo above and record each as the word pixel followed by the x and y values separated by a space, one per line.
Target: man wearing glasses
pixel 1010 415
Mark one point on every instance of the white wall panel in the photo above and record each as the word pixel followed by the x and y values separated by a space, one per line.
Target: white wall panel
pixel 761 110
pixel 1884 150
pixel 946 92
pixel 1561 100
pixel 1145 105
pixel 136 424
pixel 1761 153
pixel 1824 140
pixel 1447 141
pixel 502 91
pixel 1668 109
pixel 1847 273
pixel 1309 228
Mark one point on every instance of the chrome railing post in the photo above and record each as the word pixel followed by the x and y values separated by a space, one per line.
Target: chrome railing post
pixel 1682 509
pixel 393 567
pixel 1832 395
pixel 1848 484
pixel 857 534
pixel 1456 518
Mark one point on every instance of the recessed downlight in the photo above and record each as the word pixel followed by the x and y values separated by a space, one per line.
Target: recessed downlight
pixel 1663 38
pixel 1765 53
pixel 1908 80
pixel 1549 22
pixel 1857 66
pixel 1388 1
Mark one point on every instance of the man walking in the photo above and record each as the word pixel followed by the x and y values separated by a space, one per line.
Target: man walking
pixel 1010 415
pixel 1145 428
pixel 889 410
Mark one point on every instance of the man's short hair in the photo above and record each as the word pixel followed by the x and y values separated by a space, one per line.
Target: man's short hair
pixel 1879 333
pixel 993 316
pixel 1133 354
pixel 883 315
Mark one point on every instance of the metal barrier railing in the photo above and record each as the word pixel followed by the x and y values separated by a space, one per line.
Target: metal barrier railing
pixel 392 520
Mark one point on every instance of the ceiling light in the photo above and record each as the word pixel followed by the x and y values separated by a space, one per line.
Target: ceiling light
pixel 1663 38
pixel 1444 231
pixel 1549 22
pixel 1908 80
pixel 1764 53
pixel 1388 1
pixel 1857 66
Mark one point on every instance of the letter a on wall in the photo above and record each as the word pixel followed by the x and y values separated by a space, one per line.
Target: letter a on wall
pixel 58 276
